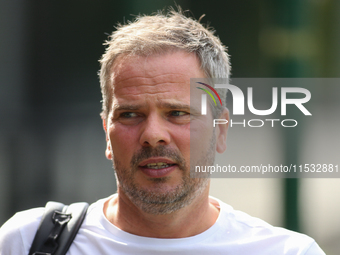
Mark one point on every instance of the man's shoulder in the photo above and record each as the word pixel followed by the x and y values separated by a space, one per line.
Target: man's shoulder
pixel 253 231
pixel 27 222
pixel 17 234
pixel 28 219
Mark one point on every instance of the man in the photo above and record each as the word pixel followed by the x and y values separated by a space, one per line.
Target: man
pixel 155 134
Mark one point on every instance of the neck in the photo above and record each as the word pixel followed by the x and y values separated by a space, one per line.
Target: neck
pixel 191 220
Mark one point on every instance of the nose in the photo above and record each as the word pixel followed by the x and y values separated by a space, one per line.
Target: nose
pixel 155 131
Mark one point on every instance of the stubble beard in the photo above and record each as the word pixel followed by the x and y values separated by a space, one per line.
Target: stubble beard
pixel 156 200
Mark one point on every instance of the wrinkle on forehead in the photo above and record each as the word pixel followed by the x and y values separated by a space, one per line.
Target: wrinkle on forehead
pixel 129 80
pixel 171 104
pixel 155 89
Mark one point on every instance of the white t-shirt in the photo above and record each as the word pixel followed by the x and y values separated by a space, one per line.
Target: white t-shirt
pixel 233 233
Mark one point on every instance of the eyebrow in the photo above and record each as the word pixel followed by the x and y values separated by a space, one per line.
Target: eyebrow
pixel 165 105
pixel 174 106
pixel 127 107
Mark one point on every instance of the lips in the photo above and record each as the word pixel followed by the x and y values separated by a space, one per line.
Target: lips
pixel 157 167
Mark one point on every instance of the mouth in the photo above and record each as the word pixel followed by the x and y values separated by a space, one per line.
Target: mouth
pixel 157 167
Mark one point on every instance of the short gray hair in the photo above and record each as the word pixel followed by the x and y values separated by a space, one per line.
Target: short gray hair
pixel 160 33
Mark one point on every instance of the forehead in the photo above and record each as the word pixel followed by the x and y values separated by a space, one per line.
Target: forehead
pixel 162 75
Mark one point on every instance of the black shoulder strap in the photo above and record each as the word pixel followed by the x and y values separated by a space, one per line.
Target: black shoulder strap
pixel 58 228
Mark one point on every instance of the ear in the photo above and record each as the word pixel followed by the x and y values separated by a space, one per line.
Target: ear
pixel 221 132
pixel 108 152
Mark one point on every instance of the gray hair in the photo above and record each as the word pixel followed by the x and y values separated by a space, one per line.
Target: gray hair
pixel 158 34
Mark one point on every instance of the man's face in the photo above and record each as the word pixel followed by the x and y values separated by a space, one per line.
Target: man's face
pixel 148 131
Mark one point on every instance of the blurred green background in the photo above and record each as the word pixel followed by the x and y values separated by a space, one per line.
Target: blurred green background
pixel 51 139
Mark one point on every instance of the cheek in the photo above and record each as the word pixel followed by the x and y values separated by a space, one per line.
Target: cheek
pixel 181 138
pixel 201 132
pixel 201 129
pixel 123 140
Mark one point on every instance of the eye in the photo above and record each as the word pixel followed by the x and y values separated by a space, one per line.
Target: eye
pixel 178 113
pixel 179 117
pixel 128 115
pixel 129 118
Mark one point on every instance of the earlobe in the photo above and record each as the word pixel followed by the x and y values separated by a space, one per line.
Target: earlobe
pixel 221 132
pixel 108 152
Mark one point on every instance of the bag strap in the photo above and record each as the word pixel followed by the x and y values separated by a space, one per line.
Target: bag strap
pixel 58 228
